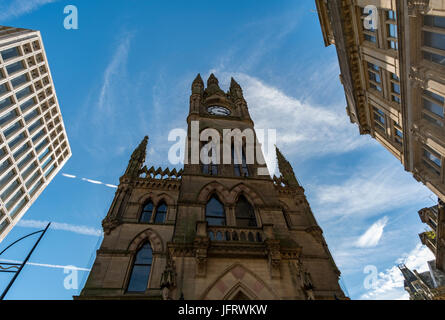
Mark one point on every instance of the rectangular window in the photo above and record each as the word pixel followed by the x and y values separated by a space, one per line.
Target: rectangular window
pixel 20 151
pixel 38 135
pixel 18 81
pixel 379 119
pixel 26 105
pixel 14 199
pixel 19 207
pixel 32 179
pixel 9 190
pixel 8 117
pixel 31 115
pixel 3 88
pixel 434 21
pixel 8 177
pixel 25 161
pixel 19 139
pixel 35 188
pixel 391 15
pixel 42 144
pixel 433 108
pixel 434 39
pixel 35 126
pixel 15 67
pixel 4 166
pixel 13 129
pixel 10 53
pixel 23 93
pixel 432 160
pixel 43 154
pixel 5 103
pixel 28 171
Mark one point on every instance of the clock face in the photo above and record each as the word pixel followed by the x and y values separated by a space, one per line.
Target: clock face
pixel 218 111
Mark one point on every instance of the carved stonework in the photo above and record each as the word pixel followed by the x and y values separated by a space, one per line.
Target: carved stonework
pixel 417 7
pixel 201 245
pixel 418 77
pixel 108 224
pixel 137 159
pixel 168 279
pixel 273 251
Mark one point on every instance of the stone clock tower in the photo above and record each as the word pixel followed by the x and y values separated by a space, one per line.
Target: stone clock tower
pixel 213 230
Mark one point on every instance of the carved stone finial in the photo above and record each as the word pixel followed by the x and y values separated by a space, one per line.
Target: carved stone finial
pixel 137 159
pixel 286 169
pixel 235 90
pixel 198 85
pixel 213 86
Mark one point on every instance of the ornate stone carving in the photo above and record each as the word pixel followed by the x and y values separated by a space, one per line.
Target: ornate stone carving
pixel 418 77
pixel 417 7
pixel 137 159
pixel 273 252
pixel 287 173
pixel 168 279
pixel 108 224
pixel 201 245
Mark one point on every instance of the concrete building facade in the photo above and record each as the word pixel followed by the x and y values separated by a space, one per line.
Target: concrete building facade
pixel 211 231
pixel 392 62
pixel 33 142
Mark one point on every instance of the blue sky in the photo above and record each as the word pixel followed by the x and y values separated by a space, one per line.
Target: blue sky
pixel 126 72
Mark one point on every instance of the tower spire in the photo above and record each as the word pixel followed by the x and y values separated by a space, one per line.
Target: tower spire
pixel 213 86
pixel 137 159
pixel 235 90
pixel 198 85
pixel 286 169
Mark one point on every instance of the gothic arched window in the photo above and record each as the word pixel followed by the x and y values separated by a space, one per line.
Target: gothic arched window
pixel 215 215
pixel 161 213
pixel 245 215
pixel 146 212
pixel 212 167
pixel 240 165
pixel 141 269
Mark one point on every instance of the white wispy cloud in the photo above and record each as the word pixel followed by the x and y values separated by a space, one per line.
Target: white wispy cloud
pixel 18 8
pixel 53 266
pixel 79 229
pixel 302 127
pixel 389 284
pixel 372 236
pixel 114 70
pixel 370 191
pixel 71 176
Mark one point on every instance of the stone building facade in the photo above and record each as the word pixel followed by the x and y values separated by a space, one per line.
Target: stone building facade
pixel 393 73
pixel 429 285
pixel 212 231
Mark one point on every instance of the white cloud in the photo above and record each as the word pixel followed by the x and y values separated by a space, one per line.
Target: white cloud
pixel 79 229
pixel 90 180
pixel 389 284
pixel 54 266
pixel 370 191
pixel 372 236
pixel 20 7
pixel 301 126
pixel 114 69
